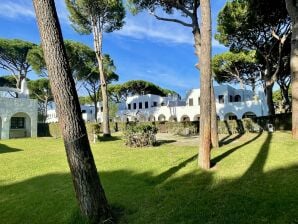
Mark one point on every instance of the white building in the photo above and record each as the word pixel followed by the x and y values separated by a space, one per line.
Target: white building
pixel 231 103
pixel 88 114
pixel 18 116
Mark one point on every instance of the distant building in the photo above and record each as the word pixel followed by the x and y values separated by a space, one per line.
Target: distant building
pixel 88 114
pixel 231 104
pixel 18 116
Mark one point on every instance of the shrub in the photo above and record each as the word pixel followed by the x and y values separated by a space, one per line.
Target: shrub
pixel 140 135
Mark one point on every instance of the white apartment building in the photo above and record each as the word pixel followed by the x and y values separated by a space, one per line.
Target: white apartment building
pixel 88 114
pixel 18 116
pixel 231 103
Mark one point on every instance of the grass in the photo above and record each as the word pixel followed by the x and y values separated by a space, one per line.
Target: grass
pixel 254 180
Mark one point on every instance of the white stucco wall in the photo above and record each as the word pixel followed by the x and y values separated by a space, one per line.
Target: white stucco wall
pixel 248 103
pixel 10 107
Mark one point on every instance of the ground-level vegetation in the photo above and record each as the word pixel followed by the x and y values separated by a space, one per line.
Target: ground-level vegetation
pixel 253 180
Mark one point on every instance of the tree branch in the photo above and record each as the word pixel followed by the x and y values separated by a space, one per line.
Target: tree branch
pixel 171 20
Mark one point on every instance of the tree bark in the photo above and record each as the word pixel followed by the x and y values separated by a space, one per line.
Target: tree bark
pixel 89 192
pixel 97 34
pixel 205 88
pixel 269 95
pixel 292 7
pixel 286 103
pixel 214 128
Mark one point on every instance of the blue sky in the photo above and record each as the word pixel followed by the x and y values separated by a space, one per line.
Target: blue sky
pixel 148 49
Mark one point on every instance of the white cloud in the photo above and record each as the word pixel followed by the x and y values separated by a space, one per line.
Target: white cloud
pixel 16 9
pixel 20 9
pixel 144 26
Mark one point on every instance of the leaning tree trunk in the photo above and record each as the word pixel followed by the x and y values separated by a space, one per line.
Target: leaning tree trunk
pixel 214 128
pixel 292 7
pixel 286 103
pixel 105 102
pixel 89 192
pixel 97 34
pixel 205 95
pixel 269 96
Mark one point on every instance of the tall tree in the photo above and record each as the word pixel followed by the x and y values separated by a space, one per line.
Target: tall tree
pixel 97 17
pixel 205 90
pixel 259 25
pixel 292 7
pixel 91 82
pixel 241 67
pixel 120 92
pixel 40 89
pixel 13 58
pixel 189 17
pixel 89 192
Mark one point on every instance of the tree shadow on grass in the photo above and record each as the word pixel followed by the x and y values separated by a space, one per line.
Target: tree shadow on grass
pixel 109 138
pixel 164 142
pixel 197 197
pixel 227 153
pixel 227 140
pixel 7 149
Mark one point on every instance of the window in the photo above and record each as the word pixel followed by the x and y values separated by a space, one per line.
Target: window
pixel 221 99
pixel 231 98
pixel 162 104
pixel 190 102
pixel 146 104
pixel 83 111
pixel 17 123
pixel 154 104
pixel 199 101
pixel 129 106
pixel 101 109
pixel 134 106
pixel 91 111
pixel 237 98
pixel 140 105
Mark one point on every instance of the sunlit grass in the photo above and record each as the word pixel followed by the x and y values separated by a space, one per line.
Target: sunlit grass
pixel 254 180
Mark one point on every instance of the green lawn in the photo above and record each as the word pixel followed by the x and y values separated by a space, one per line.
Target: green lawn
pixel 255 180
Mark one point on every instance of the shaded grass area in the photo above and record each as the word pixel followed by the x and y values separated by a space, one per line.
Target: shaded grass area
pixel 254 181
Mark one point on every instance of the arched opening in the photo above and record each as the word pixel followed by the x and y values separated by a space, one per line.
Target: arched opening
pixel 196 117
pixel 134 119
pixel 249 115
pixel 161 117
pixel 142 118
pixel 173 118
pixel 237 98
pixel 20 125
pixel 231 116
pixel 185 118
pixel 151 118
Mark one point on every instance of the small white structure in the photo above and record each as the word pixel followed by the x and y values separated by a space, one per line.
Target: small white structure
pixel 18 116
pixel 231 103
pixel 88 114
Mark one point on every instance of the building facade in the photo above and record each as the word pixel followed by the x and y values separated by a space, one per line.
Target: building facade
pixel 18 116
pixel 88 114
pixel 231 103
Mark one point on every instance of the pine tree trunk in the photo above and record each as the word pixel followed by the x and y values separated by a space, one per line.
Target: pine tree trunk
pixel 292 7
pixel 89 192
pixel 205 88
pixel 269 97
pixel 105 102
pixel 286 103
pixel 97 34
pixel 214 128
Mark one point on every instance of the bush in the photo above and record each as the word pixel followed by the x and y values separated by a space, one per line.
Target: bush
pixel 140 135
